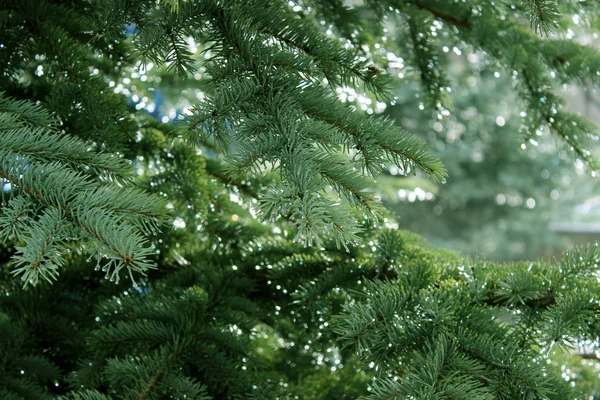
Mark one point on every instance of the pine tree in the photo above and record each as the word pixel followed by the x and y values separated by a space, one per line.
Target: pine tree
pixel 246 253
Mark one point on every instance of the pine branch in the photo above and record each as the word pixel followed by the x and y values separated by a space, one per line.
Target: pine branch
pixel 443 15
pixel 42 256
pixel 511 45
pixel 543 15
pixel 157 375
pixel 52 173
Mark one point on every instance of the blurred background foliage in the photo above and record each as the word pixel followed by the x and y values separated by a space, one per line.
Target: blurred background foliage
pixel 498 202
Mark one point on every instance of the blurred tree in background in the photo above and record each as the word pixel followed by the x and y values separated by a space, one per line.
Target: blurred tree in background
pixel 502 191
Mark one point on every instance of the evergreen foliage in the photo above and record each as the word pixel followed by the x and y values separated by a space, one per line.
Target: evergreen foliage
pixel 260 262
pixel 52 199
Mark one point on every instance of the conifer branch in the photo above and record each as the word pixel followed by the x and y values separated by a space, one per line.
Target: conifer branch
pixel 50 169
pixel 445 16
pixel 157 375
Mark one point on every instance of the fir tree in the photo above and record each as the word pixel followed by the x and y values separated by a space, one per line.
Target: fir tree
pixel 255 259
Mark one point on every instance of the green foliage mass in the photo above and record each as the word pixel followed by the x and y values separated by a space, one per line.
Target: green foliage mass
pixel 255 259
